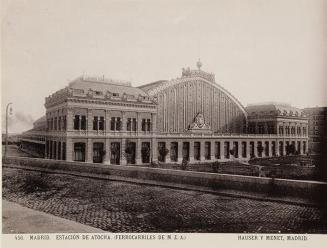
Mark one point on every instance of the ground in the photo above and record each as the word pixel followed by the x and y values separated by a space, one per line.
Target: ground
pixel 126 207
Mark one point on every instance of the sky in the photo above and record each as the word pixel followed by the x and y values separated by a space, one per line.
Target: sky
pixel 259 50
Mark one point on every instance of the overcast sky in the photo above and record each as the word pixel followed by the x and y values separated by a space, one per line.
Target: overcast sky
pixel 259 50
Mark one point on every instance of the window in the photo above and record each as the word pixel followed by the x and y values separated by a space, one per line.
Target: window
pixel 76 122
pixel 64 123
pixel 95 123
pixel 118 124
pixel 304 131
pixel 281 130
pixel 79 152
pixel 260 129
pixel 55 123
pixel 59 123
pixel 101 123
pixel 112 124
pixel 134 124
pixel 143 125
pixel 83 122
pixel 148 125
pixel 129 124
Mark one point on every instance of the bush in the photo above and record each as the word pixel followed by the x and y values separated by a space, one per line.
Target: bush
pixel 154 164
pixel 35 183
pixel 215 167
pixel 184 164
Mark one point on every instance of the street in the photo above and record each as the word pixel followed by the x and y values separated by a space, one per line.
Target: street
pixel 126 207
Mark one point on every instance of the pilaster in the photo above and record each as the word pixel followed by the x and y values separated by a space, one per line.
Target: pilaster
pixel 123 160
pixel 108 151
pixel 202 146
pixel 69 149
pixel 89 150
pixel 180 151
pixel 154 148
pixel 191 151
pixel 138 151
pixel 212 151
pixel 222 147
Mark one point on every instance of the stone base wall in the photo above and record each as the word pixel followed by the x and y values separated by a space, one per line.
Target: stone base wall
pixel 267 186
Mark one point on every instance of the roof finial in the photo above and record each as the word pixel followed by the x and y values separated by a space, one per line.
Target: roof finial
pixel 199 64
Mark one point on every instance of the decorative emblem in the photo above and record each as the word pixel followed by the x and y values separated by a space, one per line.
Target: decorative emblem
pixel 199 124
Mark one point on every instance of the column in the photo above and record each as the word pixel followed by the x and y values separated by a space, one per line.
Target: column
pixel 139 122
pixel 180 152
pixel 69 149
pixel 122 152
pixel 107 149
pixel 89 157
pixel 255 148
pixel 154 122
pixel 138 151
pixel 277 147
pixel 301 150
pixel 202 150
pixel 263 144
pixel 191 151
pixel 239 149
pixel 168 146
pixel 89 120
pixel 222 145
pixel 248 150
pixel 69 119
pixel 212 151
pixel 270 148
pixel 107 121
pixel 123 122
pixel 154 147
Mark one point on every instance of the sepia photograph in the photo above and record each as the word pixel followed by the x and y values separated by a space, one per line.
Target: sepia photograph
pixel 141 117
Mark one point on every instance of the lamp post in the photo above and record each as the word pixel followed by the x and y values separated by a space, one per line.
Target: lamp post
pixel 10 112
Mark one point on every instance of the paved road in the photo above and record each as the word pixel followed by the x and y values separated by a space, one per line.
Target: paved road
pixel 125 207
pixel 18 219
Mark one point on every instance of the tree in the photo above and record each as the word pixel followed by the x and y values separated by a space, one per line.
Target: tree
pixel 163 151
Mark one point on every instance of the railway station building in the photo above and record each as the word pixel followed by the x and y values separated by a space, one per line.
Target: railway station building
pixel 192 117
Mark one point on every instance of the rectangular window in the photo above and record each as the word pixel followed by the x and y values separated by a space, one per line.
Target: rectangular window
pixel 64 151
pixel 129 124
pixel 59 123
pixel 76 122
pixel 83 122
pixel 112 124
pixel 95 123
pixel 217 150
pixel 64 123
pixel 79 152
pixel 143 125
pixel 148 125
pixel 101 123
pixel 118 124
pixel 134 124
pixel 244 149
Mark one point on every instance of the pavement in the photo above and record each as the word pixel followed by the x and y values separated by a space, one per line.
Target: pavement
pixel 116 206
pixel 18 219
